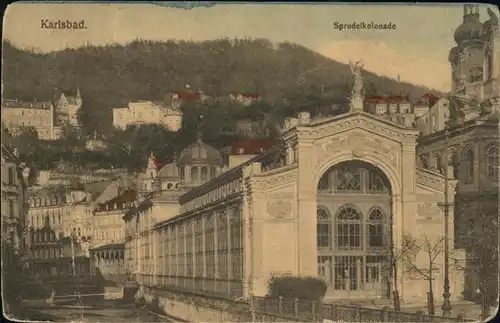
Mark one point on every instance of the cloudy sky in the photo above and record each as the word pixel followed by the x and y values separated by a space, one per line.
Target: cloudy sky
pixel 417 49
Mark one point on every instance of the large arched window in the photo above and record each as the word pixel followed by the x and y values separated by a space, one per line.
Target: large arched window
pixel 468 165
pixel 375 228
pixel 324 227
pixel 492 163
pixel 348 226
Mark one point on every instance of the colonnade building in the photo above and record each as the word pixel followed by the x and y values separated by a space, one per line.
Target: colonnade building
pixel 335 198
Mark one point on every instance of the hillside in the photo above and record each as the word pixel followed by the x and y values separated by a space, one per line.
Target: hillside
pixel 113 75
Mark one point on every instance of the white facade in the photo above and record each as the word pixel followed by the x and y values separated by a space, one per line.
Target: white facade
pixel 147 112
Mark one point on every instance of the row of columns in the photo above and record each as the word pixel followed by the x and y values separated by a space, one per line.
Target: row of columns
pixel 154 241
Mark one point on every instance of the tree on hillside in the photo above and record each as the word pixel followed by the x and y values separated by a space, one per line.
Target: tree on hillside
pixel 131 148
pixel 111 76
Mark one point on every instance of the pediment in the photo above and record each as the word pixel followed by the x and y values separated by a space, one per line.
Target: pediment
pixel 365 121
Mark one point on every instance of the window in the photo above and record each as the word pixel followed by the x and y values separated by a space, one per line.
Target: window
pixel 476 74
pixel 213 172
pixel 241 151
pixel 439 163
pixel 376 234
pixel 11 208
pixel 324 227
pixel 493 163
pixel 194 173
pixel 489 65
pixel 348 228
pixel 11 176
pixel 204 173
pixel 195 152
pixel 468 165
pixel 348 179
pixel 381 110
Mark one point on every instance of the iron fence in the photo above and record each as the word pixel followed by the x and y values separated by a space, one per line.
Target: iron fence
pixel 268 309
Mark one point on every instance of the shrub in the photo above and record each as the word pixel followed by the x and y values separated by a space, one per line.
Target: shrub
pixel 304 288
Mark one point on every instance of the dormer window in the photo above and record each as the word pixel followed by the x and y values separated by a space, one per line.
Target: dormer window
pixel 196 152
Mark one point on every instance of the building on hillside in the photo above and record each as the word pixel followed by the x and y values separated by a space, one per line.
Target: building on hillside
pixel 14 206
pixel 250 128
pixel 334 197
pixel 148 112
pixel 48 118
pixel 395 108
pixel 245 99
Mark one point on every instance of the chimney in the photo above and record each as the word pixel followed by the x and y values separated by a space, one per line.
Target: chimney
pixel 304 118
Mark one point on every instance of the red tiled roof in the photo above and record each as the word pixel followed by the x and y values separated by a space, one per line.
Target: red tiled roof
pixel 388 99
pixel 428 98
pixel 250 147
pixel 158 163
pixel 187 95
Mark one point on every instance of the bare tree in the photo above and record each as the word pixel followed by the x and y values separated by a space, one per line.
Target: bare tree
pixel 432 248
pixel 397 255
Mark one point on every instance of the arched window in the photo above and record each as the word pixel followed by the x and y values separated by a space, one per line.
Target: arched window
pixel 468 165
pixel 453 161
pixel 375 228
pixel 439 163
pixel 204 173
pixel 194 173
pixel 324 227
pixel 348 227
pixel 493 163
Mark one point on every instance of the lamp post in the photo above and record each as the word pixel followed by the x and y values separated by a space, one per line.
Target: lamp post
pixel 446 307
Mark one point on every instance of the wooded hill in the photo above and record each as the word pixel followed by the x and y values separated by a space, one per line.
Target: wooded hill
pixel 286 75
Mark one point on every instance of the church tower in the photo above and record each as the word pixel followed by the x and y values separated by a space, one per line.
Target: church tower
pixel 467 58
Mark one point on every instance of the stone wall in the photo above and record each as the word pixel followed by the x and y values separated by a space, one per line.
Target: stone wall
pixel 194 308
